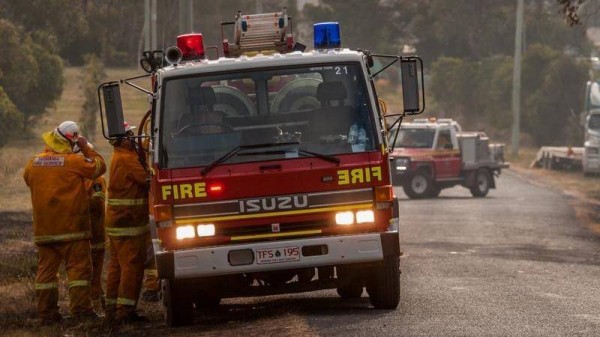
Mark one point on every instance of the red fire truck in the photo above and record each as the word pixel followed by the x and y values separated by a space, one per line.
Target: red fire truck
pixel 269 167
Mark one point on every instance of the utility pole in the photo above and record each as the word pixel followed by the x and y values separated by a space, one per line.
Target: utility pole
pixel 146 25
pixel 153 24
pixel 149 24
pixel 186 23
pixel 516 93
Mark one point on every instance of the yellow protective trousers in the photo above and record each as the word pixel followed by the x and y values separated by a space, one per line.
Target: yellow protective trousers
pixel 78 265
pixel 150 273
pixel 125 274
pixel 97 265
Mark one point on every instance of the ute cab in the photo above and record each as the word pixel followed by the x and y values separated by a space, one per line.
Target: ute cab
pixel 430 155
pixel 270 170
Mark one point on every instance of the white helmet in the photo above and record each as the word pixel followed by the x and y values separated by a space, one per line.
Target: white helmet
pixel 67 130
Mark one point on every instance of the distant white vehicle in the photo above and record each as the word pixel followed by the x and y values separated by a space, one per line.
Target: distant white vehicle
pixel 591 147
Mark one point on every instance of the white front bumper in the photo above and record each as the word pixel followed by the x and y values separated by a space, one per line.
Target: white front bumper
pixel 213 261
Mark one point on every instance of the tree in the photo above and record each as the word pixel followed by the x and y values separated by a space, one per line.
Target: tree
pixel 464 30
pixel 380 26
pixel 11 119
pixel 31 72
pixel 92 74
pixel 63 21
pixel 551 109
pixel 569 9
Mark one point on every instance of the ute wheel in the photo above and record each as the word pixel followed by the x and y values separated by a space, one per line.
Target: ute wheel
pixel 418 186
pixel 178 304
pixel 383 285
pixel 350 284
pixel 482 183
pixel 435 191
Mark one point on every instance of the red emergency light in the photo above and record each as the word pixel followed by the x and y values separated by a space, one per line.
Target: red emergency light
pixel 215 188
pixel 191 46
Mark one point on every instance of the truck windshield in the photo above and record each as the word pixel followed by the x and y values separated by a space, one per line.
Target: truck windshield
pixel 414 138
pixel 594 122
pixel 325 109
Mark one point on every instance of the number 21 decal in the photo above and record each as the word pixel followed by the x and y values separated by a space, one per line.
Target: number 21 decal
pixel 341 70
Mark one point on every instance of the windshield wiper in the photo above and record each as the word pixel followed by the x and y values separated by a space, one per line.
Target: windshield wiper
pixel 237 149
pixel 325 157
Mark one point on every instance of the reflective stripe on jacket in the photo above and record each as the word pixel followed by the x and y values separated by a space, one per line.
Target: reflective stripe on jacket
pixel 58 194
pixel 127 199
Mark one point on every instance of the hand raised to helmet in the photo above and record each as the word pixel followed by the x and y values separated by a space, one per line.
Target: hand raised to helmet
pixel 81 142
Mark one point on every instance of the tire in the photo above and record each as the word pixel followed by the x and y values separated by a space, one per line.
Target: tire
pixel 482 183
pixel 435 191
pixel 350 291
pixel 383 285
pixel 418 185
pixel 350 282
pixel 178 304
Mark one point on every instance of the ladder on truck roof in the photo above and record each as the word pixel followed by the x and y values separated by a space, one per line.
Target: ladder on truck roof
pixel 257 33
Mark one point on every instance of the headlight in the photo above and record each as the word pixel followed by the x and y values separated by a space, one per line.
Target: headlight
pixel 185 232
pixel 365 216
pixel 402 164
pixel 206 230
pixel 344 218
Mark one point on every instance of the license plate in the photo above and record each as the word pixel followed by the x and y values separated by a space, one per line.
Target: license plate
pixel 277 255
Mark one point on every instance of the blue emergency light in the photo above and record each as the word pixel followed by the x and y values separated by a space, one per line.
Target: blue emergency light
pixel 327 35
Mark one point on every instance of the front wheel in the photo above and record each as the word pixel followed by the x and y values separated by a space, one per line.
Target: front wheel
pixel 481 186
pixel 350 282
pixel 178 304
pixel 383 285
pixel 418 185
pixel 435 191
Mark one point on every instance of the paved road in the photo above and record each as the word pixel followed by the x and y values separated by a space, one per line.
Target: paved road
pixel 516 263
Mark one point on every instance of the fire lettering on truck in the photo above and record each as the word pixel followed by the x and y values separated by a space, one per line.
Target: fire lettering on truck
pixel 359 175
pixel 184 191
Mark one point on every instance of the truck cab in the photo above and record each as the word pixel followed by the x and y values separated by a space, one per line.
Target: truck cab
pixel 432 154
pixel 591 149
pixel 269 170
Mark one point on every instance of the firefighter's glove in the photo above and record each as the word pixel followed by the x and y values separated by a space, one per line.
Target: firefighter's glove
pixel 81 142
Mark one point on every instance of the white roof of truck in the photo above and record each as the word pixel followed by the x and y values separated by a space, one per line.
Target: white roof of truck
pixel 261 61
pixel 426 123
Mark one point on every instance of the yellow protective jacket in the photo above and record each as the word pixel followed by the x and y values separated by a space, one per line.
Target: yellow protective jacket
pixel 97 193
pixel 127 203
pixel 58 193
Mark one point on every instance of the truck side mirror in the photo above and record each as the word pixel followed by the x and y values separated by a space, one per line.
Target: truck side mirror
pixel 411 94
pixel 113 108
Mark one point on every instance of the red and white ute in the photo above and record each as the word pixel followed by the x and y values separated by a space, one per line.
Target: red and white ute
pixel 430 155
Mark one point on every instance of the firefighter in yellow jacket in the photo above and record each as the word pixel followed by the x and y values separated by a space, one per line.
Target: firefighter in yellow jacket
pixel 127 228
pixel 61 219
pixel 97 196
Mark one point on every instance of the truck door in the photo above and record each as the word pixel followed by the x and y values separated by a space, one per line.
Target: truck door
pixel 446 155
